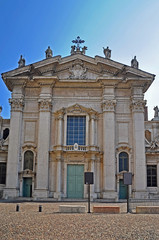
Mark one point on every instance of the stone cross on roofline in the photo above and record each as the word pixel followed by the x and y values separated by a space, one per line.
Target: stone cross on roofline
pixel 78 41
pixel 76 49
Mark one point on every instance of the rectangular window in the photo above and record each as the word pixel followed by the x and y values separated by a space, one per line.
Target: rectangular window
pixel 151 176
pixel 2 173
pixel 76 130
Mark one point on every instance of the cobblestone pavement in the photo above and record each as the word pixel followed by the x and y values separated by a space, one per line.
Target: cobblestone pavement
pixel 30 224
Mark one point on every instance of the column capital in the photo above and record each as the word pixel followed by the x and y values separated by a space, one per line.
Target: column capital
pixel 137 105
pixel 45 104
pixel 17 104
pixel 60 114
pixel 93 115
pixel 109 105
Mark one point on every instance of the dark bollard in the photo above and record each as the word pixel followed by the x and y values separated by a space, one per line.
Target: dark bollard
pixel 17 208
pixel 40 208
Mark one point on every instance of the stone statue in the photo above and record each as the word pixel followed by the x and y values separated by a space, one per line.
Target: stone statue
pixel 21 62
pixel 73 49
pixel 84 50
pixel 107 52
pixel 48 52
pixel 156 112
pixel 134 63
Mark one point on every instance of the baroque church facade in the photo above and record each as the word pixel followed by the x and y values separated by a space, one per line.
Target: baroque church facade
pixel 76 114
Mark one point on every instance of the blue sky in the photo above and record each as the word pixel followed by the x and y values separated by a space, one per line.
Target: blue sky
pixel 128 27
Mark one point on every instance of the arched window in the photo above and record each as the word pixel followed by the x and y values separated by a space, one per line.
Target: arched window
pixel 123 162
pixel 28 160
pixel 5 133
pixel 148 135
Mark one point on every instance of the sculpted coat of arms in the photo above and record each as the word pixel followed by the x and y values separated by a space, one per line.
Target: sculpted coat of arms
pixel 78 71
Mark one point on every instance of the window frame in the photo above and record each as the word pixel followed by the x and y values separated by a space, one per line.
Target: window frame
pixel 152 175
pixel 123 163
pixel 1 176
pixel 86 128
pixel 28 150
pixel 74 134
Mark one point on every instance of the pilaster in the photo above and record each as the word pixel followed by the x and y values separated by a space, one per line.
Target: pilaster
pixel 137 108
pixel 108 106
pixel 45 104
pixel 14 150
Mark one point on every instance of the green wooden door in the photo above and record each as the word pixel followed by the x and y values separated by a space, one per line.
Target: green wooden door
pixel 122 190
pixel 75 181
pixel 27 187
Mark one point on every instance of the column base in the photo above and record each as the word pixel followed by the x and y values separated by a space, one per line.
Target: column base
pixel 40 193
pixel 57 195
pixel 10 193
pixel 110 195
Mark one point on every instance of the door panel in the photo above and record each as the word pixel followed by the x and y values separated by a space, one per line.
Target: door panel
pixel 75 181
pixel 122 190
pixel 27 187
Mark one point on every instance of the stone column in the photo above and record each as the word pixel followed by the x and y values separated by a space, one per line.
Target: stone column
pixel 57 194
pixel 109 179
pixel 92 130
pixel 43 143
pixel 14 150
pixel 93 159
pixel 98 176
pixel 60 115
pixel 137 107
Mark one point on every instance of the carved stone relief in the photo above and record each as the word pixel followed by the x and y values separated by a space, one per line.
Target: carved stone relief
pixel 78 71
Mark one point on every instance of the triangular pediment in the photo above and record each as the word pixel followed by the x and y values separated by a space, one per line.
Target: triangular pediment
pixel 76 109
pixel 79 67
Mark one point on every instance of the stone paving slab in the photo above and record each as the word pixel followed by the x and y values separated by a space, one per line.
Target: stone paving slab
pixel 30 224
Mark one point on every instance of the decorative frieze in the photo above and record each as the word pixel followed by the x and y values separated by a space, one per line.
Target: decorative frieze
pixel 17 104
pixel 109 105
pixel 138 105
pixel 45 104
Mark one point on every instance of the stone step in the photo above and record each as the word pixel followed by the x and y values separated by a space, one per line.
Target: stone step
pixel 72 209
pixel 147 209
pixel 106 209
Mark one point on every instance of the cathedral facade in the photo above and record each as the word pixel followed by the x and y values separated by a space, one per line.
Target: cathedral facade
pixel 76 114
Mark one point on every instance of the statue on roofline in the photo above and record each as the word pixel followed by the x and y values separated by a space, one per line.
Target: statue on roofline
pixel 73 49
pixel 156 112
pixel 107 52
pixel 84 50
pixel 134 63
pixel 49 52
pixel 21 62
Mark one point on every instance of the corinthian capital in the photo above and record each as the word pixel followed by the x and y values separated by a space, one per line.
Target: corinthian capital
pixel 109 105
pixel 45 104
pixel 17 104
pixel 138 105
